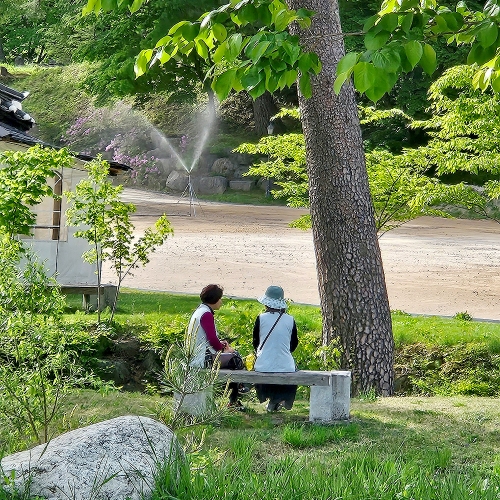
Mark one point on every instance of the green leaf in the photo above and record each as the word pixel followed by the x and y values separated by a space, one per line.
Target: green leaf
pixel 258 90
pixel 190 31
pixel 136 5
pixel 428 60
pixel 453 20
pixel 387 59
pixel 173 30
pixel 257 51
pixel 370 22
pixel 481 55
pixel 382 83
pixel 220 53
pixel 488 34
pixel 340 80
pixel 407 22
pixel 291 77
pixel 251 78
pixel 281 19
pixel 347 63
pixel 305 62
pixel 219 31
pixel 163 41
pixel 202 48
pixel 389 22
pixel 248 14
pixel 495 81
pixel 142 61
pixel 292 50
pixel 278 65
pixel 481 79
pixel 375 41
pixel 234 45
pixel 305 85
pixel 223 83
pixel 440 25
pixel 413 51
pixel 364 76
pixel 271 81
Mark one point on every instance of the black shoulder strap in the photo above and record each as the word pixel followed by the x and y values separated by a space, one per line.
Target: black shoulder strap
pixel 272 328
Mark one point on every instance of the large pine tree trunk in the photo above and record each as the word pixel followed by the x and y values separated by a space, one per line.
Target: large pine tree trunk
pixel 263 109
pixel 354 302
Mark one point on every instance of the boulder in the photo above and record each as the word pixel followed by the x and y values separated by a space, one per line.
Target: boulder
pixel 168 165
pixel 111 460
pixel 241 185
pixel 210 185
pixel 177 181
pixel 223 166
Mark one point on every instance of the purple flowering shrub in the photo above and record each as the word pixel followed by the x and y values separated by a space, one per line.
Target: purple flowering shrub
pixel 121 135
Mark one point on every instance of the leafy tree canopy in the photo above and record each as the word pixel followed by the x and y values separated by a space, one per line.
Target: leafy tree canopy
pixel 402 36
pixel 245 45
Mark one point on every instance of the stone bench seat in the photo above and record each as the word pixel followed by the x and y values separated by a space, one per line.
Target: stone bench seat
pixel 89 292
pixel 330 390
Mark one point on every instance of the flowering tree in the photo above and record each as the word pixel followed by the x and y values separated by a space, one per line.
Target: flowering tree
pixel 125 138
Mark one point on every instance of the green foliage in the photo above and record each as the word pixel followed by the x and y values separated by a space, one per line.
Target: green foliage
pixel 463 127
pixel 400 191
pixel 37 363
pixel 461 146
pixel 23 184
pixel 463 316
pixel 400 36
pixel 467 369
pixel 36 31
pixel 96 204
pixel 117 39
pixel 261 56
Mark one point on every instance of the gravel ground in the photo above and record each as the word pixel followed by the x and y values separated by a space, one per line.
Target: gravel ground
pixel 432 265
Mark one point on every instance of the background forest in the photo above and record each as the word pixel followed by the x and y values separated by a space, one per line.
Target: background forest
pixel 77 68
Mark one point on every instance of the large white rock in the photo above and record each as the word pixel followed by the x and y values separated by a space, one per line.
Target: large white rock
pixel 112 460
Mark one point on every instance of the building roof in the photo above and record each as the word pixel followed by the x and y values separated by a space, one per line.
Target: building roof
pixel 14 122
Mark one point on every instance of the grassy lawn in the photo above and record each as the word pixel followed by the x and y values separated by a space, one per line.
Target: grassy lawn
pixel 415 447
pixel 411 447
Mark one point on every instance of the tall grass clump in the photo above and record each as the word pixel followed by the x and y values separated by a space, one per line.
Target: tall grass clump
pixel 358 476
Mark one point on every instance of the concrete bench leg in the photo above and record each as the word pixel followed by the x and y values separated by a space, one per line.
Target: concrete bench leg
pixel 330 403
pixel 197 403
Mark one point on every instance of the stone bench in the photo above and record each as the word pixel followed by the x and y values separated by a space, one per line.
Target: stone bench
pixel 107 291
pixel 330 390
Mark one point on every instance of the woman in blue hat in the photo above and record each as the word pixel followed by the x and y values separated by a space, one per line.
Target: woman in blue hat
pixel 274 340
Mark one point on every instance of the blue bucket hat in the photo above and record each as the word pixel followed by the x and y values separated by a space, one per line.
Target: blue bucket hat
pixel 274 298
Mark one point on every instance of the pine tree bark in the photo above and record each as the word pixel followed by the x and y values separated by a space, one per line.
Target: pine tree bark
pixel 353 295
pixel 263 109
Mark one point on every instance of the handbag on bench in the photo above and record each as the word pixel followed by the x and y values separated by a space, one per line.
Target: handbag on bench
pixel 227 360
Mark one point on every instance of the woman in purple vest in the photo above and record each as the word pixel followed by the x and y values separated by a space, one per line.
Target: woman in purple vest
pixel 203 337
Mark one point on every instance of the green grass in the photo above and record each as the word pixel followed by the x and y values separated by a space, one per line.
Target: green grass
pixel 141 308
pixel 434 330
pixel 253 197
pixel 393 448
pixel 434 356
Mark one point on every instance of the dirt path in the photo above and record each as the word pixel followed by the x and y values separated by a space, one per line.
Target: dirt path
pixel 432 265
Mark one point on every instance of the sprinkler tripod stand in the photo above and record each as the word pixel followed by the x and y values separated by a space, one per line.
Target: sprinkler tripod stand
pixel 190 193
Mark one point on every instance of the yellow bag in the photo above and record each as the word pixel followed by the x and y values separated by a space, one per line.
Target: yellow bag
pixel 250 361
